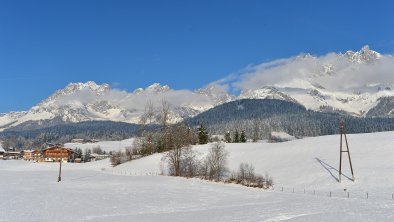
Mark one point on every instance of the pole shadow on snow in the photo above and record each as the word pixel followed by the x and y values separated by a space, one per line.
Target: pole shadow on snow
pixel 332 170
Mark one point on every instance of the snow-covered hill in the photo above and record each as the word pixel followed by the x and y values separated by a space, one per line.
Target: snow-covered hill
pixel 310 163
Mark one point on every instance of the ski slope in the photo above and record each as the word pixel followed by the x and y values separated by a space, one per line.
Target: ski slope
pixel 98 192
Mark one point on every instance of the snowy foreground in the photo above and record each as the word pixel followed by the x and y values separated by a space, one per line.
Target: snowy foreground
pixel 131 192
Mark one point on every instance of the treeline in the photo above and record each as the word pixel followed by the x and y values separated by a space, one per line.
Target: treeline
pixel 169 138
pixel 252 119
pixel 181 159
pixel 86 155
pixel 65 132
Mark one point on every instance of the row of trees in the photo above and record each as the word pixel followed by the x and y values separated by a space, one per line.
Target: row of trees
pixel 86 155
pixel 186 162
pixel 26 138
pixel 246 176
pixel 172 138
pixel 237 138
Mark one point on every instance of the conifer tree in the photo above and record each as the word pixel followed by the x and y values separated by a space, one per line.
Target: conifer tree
pixel 87 156
pixel 236 137
pixel 78 153
pixel 202 135
pixel 243 137
pixel 227 137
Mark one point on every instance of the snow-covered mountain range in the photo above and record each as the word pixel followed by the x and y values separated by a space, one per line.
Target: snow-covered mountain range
pixel 88 101
pixel 358 83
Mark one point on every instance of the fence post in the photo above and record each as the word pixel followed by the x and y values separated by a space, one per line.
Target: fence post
pixel 348 195
pixel 330 193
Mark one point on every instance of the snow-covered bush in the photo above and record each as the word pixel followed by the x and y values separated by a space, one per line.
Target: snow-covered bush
pixel 247 177
pixel 118 158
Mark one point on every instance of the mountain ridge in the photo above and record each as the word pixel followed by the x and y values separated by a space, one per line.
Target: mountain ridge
pixel 314 87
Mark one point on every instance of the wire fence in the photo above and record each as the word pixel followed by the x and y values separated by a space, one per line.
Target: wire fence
pixel 281 189
pixel 128 173
pixel 337 194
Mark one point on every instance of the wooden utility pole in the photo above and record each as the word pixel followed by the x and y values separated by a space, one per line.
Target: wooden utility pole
pixel 60 168
pixel 343 135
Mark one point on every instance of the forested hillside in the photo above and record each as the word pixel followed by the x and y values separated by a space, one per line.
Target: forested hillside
pixel 265 116
pixel 256 117
pixel 63 133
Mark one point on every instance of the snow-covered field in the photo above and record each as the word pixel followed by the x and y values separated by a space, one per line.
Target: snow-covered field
pixel 104 145
pixel 97 192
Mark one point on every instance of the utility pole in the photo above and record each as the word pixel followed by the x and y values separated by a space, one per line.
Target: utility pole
pixel 343 135
pixel 60 168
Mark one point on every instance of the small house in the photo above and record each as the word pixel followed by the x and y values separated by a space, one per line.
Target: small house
pixel 13 155
pixel 34 155
pixel 57 153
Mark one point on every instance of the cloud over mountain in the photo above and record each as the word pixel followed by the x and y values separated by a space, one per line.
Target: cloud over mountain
pixel 334 71
pixel 359 83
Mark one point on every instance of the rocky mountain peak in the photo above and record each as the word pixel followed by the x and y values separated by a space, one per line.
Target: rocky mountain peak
pixel 365 55
pixel 70 89
pixel 74 87
pixel 158 88
pixel 154 88
pixel 216 93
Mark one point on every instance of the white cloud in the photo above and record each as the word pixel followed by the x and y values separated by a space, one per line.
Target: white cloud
pixel 333 71
pixel 135 101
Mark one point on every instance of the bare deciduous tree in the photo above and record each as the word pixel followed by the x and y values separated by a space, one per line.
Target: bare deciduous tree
pixel 129 153
pixel 190 163
pixel 164 113
pixel 144 145
pixel 177 139
pixel 216 162
pixel 149 112
pixel 246 172
pixel 147 117
pixel 117 158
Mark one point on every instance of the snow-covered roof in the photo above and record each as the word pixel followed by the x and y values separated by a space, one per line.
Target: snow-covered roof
pixel 282 135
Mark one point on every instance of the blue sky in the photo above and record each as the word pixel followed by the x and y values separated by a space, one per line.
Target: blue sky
pixel 44 45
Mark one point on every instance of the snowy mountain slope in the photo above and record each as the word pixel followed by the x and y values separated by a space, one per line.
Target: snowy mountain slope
pixel 353 82
pixel 79 102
